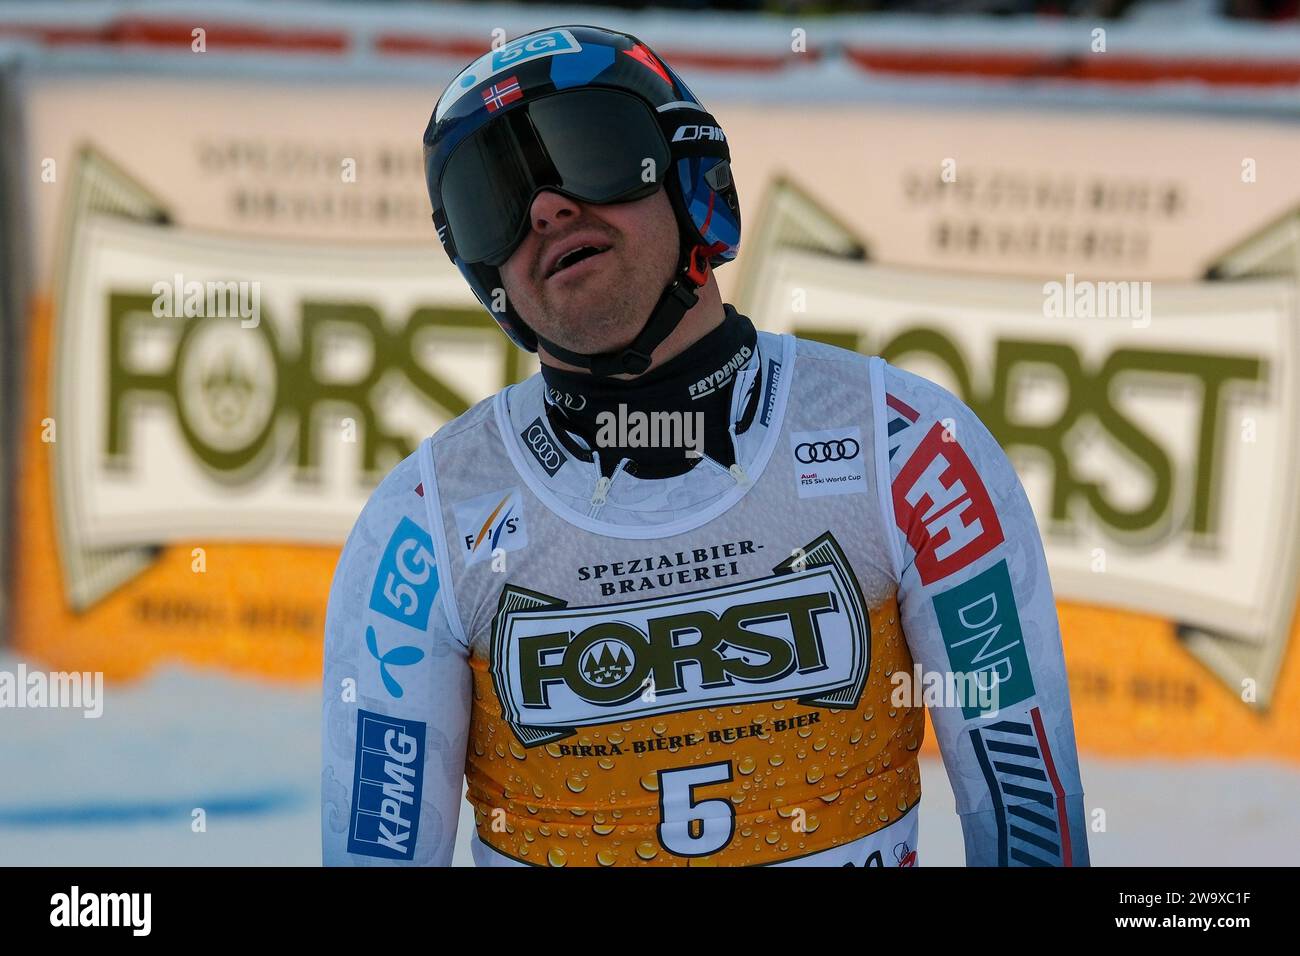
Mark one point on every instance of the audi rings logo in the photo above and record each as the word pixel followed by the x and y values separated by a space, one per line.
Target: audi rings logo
pixel 540 442
pixel 810 452
pixel 544 448
pixel 565 400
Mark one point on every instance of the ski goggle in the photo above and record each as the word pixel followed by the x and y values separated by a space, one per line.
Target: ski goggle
pixel 593 145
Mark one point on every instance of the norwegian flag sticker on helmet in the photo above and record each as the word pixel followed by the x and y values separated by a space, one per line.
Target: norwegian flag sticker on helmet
pixel 499 94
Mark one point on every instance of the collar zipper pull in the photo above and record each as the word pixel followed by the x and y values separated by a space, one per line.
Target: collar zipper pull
pixel 739 475
pixel 601 491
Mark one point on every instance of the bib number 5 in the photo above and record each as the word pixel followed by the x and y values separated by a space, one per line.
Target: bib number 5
pixel 689 827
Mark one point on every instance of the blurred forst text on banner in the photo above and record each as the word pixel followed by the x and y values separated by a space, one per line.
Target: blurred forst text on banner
pixel 234 320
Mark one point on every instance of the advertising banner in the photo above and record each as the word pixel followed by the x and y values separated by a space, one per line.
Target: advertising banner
pixel 243 320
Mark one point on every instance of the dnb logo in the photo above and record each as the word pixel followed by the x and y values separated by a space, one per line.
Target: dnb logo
pixel 491 521
pixel 942 506
pixel 385 815
pixel 508 57
pixel 801 634
pixel 981 630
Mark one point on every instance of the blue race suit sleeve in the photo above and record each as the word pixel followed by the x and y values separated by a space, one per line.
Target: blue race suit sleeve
pixel 976 600
pixel 396 687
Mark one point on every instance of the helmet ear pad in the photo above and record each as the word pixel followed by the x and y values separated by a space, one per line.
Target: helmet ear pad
pixel 708 214
pixel 485 282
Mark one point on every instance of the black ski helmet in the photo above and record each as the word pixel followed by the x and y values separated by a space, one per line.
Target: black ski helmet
pixel 579 110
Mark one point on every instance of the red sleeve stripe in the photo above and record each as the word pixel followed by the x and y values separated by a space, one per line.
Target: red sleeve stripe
pixel 898 405
pixel 1062 817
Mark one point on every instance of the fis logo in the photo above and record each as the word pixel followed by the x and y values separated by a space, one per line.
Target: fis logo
pixel 491 521
pixel 942 506
pixel 385 817
pixel 407 581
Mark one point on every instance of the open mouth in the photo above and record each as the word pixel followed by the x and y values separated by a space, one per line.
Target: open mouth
pixel 570 259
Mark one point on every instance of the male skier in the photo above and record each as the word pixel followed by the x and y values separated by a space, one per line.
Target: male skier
pixel 664 603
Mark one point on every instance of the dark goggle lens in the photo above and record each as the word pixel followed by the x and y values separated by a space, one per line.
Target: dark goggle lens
pixel 598 146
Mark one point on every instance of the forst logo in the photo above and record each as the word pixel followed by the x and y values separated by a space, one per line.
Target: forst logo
pixel 655 652
pixel 803 632
pixel 604 667
pixel 1189 495
pixel 243 403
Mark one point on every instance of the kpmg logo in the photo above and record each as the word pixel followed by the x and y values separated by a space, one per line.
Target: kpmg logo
pixel 491 522
pixel 385 814
pixel 803 632
pixel 507 57
pixel 538 439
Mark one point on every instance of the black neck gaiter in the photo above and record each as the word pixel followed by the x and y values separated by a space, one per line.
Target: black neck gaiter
pixel 659 418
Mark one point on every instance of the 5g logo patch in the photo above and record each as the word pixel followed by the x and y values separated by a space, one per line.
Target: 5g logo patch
pixel 407 581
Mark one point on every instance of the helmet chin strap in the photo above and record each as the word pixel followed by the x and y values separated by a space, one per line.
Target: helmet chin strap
pixel 676 301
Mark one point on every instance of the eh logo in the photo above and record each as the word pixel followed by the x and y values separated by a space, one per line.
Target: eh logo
pixel 942 506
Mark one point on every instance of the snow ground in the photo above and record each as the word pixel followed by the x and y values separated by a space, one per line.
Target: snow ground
pixel 120 789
